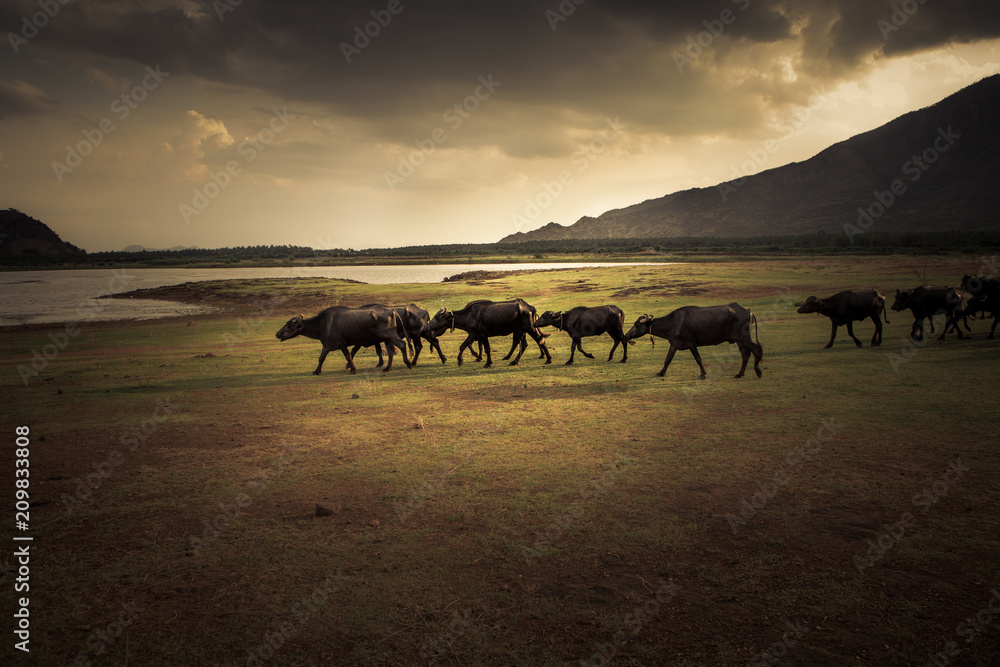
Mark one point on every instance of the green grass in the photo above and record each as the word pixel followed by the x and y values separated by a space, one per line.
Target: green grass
pixel 484 461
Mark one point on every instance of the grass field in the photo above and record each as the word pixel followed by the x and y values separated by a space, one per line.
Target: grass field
pixel 841 510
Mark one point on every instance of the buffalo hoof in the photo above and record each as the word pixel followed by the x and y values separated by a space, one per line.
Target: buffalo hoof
pixel 547 362
pixel 315 372
pixel 828 346
pixel 757 371
pixel 702 376
pixel 488 365
pixel 589 356
pixel 622 361
pixel 568 363
pixel 513 363
pixel 738 376
pixel 443 359
pixel 858 343
pixel 660 374
pixel 353 372
pixel 459 362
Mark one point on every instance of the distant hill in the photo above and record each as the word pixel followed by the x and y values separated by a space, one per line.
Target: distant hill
pixel 942 160
pixel 23 237
pixel 139 248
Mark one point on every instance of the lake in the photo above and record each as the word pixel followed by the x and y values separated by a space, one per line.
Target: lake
pixel 31 297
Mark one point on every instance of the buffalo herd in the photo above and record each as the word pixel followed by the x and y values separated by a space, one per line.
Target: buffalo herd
pixel 348 329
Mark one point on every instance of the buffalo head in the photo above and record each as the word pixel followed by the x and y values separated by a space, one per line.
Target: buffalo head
pixel 902 300
pixel 292 328
pixel 811 305
pixel 443 320
pixel 640 328
pixel 548 319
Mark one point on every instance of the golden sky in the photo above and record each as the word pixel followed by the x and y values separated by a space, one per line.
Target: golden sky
pixel 409 122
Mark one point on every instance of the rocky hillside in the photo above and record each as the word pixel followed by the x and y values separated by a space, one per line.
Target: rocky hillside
pixel 934 169
pixel 21 236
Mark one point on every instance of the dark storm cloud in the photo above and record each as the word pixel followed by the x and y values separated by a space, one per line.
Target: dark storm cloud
pixel 18 98
pixel 595 57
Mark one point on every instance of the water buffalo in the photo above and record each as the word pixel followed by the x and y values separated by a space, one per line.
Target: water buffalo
pixel 926 302
pixel 846 307
pixel 517 339
pixel 341 327
pixel 689 327
pixel 483 319
pixel 980 286
pixel 414 320
pixel 583 321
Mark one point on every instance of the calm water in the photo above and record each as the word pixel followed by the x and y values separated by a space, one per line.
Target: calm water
pixel 28 297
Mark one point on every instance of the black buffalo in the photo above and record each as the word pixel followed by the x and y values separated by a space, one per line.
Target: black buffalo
pixel 341 327
pixel 846 308
pixel 583 321
pixel 926 302
pixel 483 319
pixel 414 320
pixel 517 339
pixel 689 327
pixel 984 304
pixel 980 286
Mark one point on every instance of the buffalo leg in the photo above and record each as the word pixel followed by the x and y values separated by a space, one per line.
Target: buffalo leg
pixel 392 343
pixel 572 351
pixel 489 354
pixel 436 345
pixel 350 361
pixel 417 347
pixel 833 333
pixel 877 336
pixel 758 356
pixel 520 352
pixel 697 357
pixel 322 357
pixel 745 353
pixel 353 352
pixel 539 339
pixel 996 319
pixel 467 344
pixel 850 332
pixel 670 357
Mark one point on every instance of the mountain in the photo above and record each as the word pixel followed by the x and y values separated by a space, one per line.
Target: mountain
pixel 21 236
pixel 934 169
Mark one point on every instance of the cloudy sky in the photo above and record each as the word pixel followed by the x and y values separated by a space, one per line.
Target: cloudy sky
pixel 387 123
